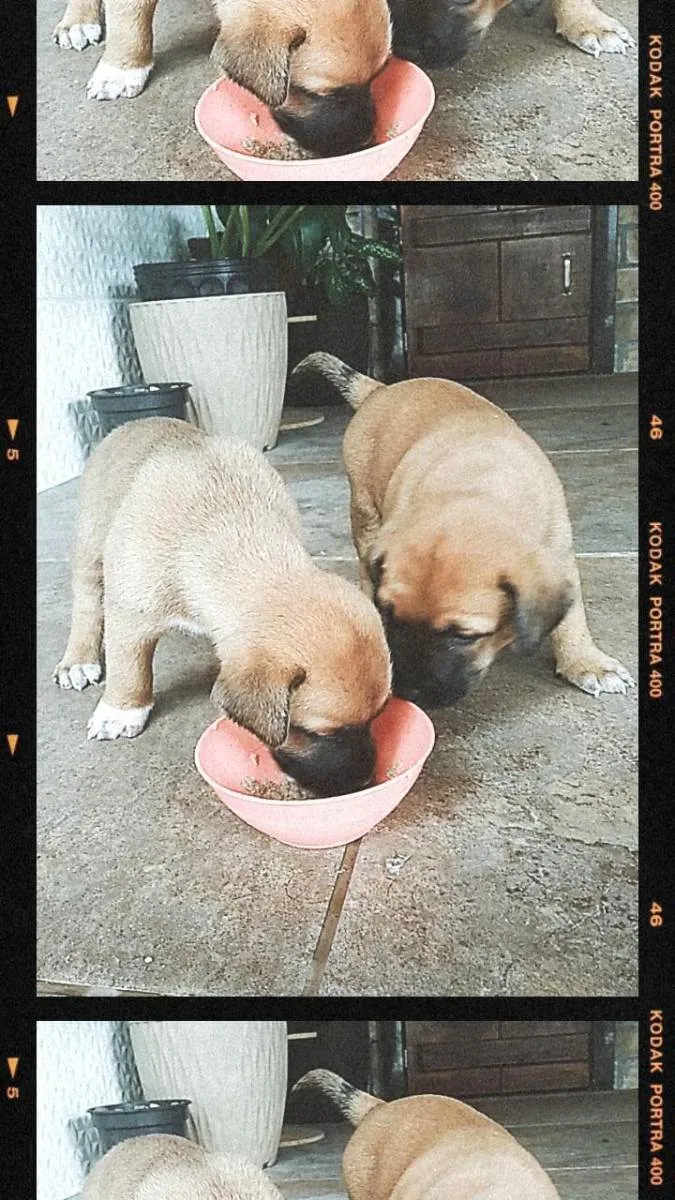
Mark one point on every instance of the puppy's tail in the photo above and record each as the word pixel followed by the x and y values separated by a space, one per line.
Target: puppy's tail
pixel 319 376
pixel 353 1103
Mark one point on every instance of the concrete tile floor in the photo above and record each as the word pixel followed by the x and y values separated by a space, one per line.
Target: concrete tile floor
pixel 525 105
pixel 519 837
pixel 587 1141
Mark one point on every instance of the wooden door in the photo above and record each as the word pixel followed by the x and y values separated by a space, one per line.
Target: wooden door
pixel 481 1058
pixel 497 291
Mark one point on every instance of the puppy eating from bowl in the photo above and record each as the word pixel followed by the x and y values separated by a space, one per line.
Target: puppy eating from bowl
pixel 462 532
pixel 177 530
pixel 311 62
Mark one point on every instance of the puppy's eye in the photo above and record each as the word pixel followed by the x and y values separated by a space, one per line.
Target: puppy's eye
pixel 461 637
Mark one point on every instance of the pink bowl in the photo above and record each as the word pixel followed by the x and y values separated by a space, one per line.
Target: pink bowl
pixel 226 115
pixel 226 754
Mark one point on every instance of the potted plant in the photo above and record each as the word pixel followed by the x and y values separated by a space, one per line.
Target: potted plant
pixel 222 325
pixel 333 280
pixel 238 254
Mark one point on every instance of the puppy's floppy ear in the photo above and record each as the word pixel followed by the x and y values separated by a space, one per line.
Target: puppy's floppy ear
pixel 536 610
pixel 254 48
pixel 258 696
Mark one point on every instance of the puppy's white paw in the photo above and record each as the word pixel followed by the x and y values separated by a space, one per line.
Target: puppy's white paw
pixel 78 675
pixel 596 33
pixel 110 83
pixel 601 674
pixel 108 723
pixel 77 37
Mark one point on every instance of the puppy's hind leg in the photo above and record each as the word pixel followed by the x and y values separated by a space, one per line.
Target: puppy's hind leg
pixel 127 703
pixel 578 659
pixel 365 522
pixel 80 25
pixel 81 662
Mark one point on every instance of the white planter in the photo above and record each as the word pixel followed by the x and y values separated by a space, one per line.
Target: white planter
pixel 233 351
pixel 234 1072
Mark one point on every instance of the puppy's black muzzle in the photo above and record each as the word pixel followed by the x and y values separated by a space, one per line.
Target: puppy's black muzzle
pixel 337 123
pixel 431 668
pixel 331 764
pixel 433 33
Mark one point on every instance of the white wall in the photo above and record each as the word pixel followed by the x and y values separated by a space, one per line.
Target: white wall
pixel 85 259
pixel 79 1064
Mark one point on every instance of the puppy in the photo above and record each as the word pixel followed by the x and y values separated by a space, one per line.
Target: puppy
pixel 462 533
pixel 163 1167
pixel 436 33
pixel 311 61
pixel 177 530
pixel 428 1148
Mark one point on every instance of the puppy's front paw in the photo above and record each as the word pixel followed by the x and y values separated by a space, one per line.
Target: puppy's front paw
pixel 77 675
pixel 593 31
pixel 108 723
pixel 77 37
pixel 111 83
pixel 598 673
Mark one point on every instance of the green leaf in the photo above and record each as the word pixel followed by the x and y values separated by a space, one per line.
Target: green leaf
pixel 245 225
pixel 284 220
pixel 211 230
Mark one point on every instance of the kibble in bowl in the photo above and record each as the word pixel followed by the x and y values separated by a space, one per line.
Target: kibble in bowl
pixel 243 773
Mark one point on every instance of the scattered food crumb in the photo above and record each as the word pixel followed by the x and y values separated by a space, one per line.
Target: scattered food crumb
pixel 286 789
pixel 148 959
pixel 393 131
pixel 254 758
pixel 393 771
pixel 254 118
pixel 395 865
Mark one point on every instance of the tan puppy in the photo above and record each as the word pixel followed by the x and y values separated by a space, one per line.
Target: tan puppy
pixel 163 1167
pixel 462 533
pixel 311 61
pixel 436 33
pixel 429 1148
pixel 177 530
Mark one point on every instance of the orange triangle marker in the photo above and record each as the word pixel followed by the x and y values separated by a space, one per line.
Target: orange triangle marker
pixel 12 102
pixel 12 425
pixel 12 1063
pixel 12 740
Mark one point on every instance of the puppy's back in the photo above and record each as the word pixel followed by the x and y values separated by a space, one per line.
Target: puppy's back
pixel 435 1147
pixel 114 464
pixel 163 1167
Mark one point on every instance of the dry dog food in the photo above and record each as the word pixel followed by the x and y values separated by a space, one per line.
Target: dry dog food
pixel 284 151
pixel 287 789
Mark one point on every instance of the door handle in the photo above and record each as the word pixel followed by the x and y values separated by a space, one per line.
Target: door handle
pixel 567 273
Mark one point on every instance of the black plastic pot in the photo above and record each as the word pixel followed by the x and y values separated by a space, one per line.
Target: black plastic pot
pixel 115 406
pixel 117 1122
pixel 206 277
